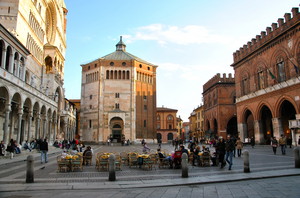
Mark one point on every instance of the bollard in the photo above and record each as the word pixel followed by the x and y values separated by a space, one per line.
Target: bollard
pixel 184 165
pixel 29 172
pixel 246 162
pixel 112 168
pixel 297 157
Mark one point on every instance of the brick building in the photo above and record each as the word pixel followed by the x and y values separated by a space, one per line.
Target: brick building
pixel 219 106
pixel 118 98
pixel 267 80
pixel 166 121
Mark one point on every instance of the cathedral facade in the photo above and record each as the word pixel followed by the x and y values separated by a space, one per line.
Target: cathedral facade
pixel 32 56
pixel 118 98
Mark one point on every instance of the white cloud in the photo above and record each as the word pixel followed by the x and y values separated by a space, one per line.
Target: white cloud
pixel 166 34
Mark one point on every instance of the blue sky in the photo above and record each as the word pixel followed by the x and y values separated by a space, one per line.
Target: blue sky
pixel 189 40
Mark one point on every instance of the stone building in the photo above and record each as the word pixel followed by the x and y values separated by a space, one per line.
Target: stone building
pixel 267 80
pixel 219 106
pixel 118 98
pixel 196 121
pixel 166 121
pixel 32 55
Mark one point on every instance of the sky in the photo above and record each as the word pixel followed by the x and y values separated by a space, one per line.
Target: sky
pixel 189 40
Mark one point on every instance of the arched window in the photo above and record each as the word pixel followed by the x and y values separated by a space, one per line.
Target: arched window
pixel 281 70
pixel 261 79
pixel 116 75
pixel 245 85
pixel 8 54
pixel 127 77
pixel 120 74
pixel 123 75
pixel 111 74
pixel 170 117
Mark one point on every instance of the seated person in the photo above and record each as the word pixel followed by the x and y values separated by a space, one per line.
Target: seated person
pixel 162 157
pixel 196 155
pixel 26 146
pixel 177 159
pixel 87 154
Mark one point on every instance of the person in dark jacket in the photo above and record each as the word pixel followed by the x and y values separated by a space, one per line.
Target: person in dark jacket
pixel 44 151
pixel 230 146
pixel 220 150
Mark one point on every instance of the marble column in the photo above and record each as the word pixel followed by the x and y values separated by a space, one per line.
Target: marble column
pixel 29 126
pixel 11 62
pixel 7 112
pixel 55 128
pixel 20 114
pixel 242 129
pixel 37 128
pixel 44 128
pixel 50 130
pixel 3 51
pixel 259 138
pixel 277 127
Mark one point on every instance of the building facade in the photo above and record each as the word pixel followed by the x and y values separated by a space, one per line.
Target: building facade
pixel 166 121
pixel 118 98
pixel 196 121
pixel 267 80
pixel 219 106
pixel 32 55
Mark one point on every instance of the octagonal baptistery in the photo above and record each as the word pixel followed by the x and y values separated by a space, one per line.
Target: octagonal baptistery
pixel 118 98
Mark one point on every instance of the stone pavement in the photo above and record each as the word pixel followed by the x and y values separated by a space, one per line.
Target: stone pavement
pixel 263 165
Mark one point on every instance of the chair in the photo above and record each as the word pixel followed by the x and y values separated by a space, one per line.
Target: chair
pixel 87 158
pixel 162 161
pixel 103 162
pixel 148 163
pixel 62 164
pixel 153 157
pixel 133 159
pixel 76 164
pixel 205 159
pixel 118 162
pixel 124 157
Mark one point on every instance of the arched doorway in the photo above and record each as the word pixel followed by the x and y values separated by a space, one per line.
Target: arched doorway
pixel 215 132
pixel 116 125
pixel 249 121
pixel 232 127
pixel 170 136
pixel 158 136
pixel 287 112
pixel 266 125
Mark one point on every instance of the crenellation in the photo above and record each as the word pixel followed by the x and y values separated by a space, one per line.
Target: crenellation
pixel 287 17
pixel 280 22
pixel 295 12
pixel 274 31
pixel 218 79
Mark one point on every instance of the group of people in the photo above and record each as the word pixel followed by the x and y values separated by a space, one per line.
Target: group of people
pixel 282 143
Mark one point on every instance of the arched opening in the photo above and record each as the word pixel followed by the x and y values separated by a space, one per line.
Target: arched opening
pixel 159 137
pixel 1 51
pixel 287 112
pixel 170 136
pixel 249 122
pixel 266 125
pixel 48 63
pixel 208 131
pixel 7 60
pixel 116 125
pixel 215 131
pixel 232 127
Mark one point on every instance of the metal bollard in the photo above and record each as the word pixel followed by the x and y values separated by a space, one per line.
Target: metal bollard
pixel 30 170
pixel 297 157
pixel 246 162
pixel 112 168
pixel 184 165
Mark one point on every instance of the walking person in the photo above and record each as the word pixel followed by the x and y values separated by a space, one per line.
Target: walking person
pixel 220 150
pixel 252 142
pixel 239 146
pixel 229 150
pixel 282 143
pixel 44 151
pixel 274 144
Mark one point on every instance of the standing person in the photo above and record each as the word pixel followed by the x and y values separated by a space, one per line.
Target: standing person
pixel 252 142
pixel 2 148
pixel 239 146
pixel 282 143
pixel 230 146
pixel 289 141
pixel 11 148
pixel 44 151
pixel 274 144
pixel 220 150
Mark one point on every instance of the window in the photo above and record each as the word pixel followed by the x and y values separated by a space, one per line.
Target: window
pixel 170 117
pixel 145 107
pixel 158 117
pixel 124 64
pixel 91 106
pixel 145 97
pixel 117 106
pixel 261 80
pixel 145 123
pixel 95 65
pixel 281 72
pixel 90 124
pixel 89 67
pixel 111 63
pixel 148 68
pixel 170 126
pixel 141 66
pixel 91 96
pixel 245 84
pixel 158 126
pixel 117 95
